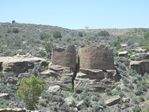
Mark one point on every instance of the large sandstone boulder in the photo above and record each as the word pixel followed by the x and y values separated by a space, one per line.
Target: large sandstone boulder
pixel 19 64
pixel 64 57
pixel 96 58
pixel 140 66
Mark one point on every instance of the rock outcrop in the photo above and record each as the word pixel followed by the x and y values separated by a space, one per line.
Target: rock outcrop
pixel 140 66
pixel 20 64
pixel 113 100
pixel 95 79
pixel 123 53
pixel 4 95
pixel 59 75
pixel 12 110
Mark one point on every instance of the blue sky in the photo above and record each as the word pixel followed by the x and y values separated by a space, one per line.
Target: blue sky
pixel 78 14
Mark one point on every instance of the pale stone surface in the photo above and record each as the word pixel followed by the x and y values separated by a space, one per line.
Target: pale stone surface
pixel 20 64
pixel 123 53
pixel 70 101
pixel 54 89
pixel 12 110
pixel 113 100
pixel 3 95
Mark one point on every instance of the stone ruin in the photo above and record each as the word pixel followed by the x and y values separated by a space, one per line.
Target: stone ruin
pixel 95 63
pixel 63 65
pixel 96 68
pixel 96 58
pixel 64 57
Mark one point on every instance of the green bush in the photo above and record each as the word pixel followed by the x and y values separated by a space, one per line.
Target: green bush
pixel 146 35
pixel 146 46
pixel 48 47
pixel 42 53
pixel 29 90
pixel 57 34
pixel 44 36
pixel 103 33
pixel 80 34
pixel 136 109
pixel 15 30
pixel 146 109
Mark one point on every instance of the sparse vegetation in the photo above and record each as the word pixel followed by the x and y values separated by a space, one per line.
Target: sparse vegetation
pixel 38 40
pixel 44 36
pixel 103 33
pixel 146 35
pixel 15 30
pixel 57 35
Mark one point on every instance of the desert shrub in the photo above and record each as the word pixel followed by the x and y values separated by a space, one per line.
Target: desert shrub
pixel 80 34
pixel 29 90
pixel 141 98
pixel 1 49
pixel 57 34
pixel 15 30
pixel 108 91
pixel 44 36
pixel 146 46
pixel 48 46
pixel 146 35
pixel 117 43
pixel 103 33
pixel 134 100
pixel 3 105
pixel 42 53
pixel 146 109
pixel 142 85
pixel 136 109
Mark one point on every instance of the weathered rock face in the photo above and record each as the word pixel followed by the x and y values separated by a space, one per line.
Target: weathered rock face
pixel 123 53
pixel 59 75
pixel 65 57
pixel 12 110
pixel 95 79
pixel 91 74
pixel 19 64
pixel 113 100
pixel 96 58
pixel 54 89
pixel 140 66
pixel 4 95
